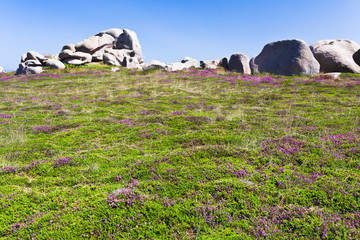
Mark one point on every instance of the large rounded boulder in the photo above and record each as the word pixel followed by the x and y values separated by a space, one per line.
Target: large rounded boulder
pixel 287 57
pixel 239 63
pixel 336 55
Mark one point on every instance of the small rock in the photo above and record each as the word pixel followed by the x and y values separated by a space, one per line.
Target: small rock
pixel 115 69
pixel 335 75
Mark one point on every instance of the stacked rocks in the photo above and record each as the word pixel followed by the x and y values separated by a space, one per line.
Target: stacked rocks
pixel 114 46
pixel 33 62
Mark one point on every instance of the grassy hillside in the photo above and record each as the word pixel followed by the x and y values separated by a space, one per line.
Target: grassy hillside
pixel 202 154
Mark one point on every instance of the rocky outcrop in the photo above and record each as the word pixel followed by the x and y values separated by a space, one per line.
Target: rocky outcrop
pixel 114 46
pixel 356 57
pixel 2 69
pixel 239 63
pixel 154 64
pixel 33 63
pixel 183 64
pixel 336 55
pixel 287 57
pixel 213 64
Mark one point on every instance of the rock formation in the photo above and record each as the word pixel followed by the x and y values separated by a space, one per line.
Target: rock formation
pixel 336 55
pixel 2 69
pixel 33 62
pixel 239 63
pixel 287 57
pixel 114 46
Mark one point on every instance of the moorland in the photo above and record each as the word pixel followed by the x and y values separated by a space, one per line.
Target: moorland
pixel 86 153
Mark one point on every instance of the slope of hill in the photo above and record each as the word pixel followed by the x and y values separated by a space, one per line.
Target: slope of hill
pixel 199 154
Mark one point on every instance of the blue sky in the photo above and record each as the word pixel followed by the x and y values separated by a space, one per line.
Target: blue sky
pixel 169 30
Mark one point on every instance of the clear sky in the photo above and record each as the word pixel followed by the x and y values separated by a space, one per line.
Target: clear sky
pixel 169 30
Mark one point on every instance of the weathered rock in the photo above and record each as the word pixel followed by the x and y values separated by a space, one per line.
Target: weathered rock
pixel 129 40
pixel 33 63
pixel 115 69
pixel 95 43
pixel 33 56
pixel 153 64
pixel 356 57
pixel 75 61
pixel 334 75
pixel 114 57
pixel 336 55
pixel 239 63
pixel 131 63
pixel 99 55
pixel 67 56
pixel 25 69
pixel 215 63
pixel 287 57
pixel 2 69
pixel 55 64
pixel 224 63
pixel 70 47
pixel 183 64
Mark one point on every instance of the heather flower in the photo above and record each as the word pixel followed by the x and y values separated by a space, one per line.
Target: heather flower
pixel 63 161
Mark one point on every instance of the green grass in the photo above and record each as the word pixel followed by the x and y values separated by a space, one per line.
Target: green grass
pixel 90 154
